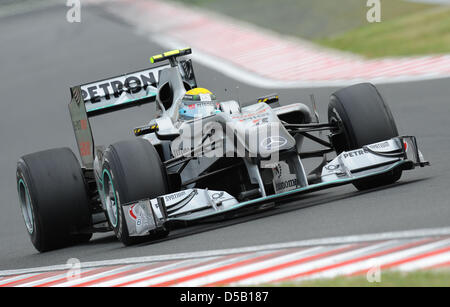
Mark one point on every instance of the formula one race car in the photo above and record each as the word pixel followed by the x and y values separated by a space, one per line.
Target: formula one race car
pixel 200 158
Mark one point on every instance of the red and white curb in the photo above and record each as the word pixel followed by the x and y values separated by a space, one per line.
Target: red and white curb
pixel 263 58
pixel 321 258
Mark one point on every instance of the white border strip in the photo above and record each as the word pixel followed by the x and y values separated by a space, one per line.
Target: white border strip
pixel 241 74
pixel 251 78
pixel 430 232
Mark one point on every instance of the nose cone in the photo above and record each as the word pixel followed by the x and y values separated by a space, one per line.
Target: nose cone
pixel 267 140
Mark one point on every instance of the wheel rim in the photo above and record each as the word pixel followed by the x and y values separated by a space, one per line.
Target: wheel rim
pixel 112 206
pixel 26 206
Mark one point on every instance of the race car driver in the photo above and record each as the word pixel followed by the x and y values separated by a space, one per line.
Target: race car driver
pixel 196 103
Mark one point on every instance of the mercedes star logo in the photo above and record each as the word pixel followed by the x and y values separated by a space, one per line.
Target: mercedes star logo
pixel 273 142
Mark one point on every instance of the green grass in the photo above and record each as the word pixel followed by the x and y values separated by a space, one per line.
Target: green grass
pixel 431 278
pixel 311 19
pixel 405 29
pixel 426 32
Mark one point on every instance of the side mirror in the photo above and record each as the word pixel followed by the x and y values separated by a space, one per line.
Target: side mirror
pixel 145 129
pixel 269 99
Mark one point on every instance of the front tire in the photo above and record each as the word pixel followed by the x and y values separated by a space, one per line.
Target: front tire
pixel 363 118
pixel 132 171
pixel 53 199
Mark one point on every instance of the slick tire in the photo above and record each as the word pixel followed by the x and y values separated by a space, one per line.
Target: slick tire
pixel 132 171
pixel 53 199
pixel 363 118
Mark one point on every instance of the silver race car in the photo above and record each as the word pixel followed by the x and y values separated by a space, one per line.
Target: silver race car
pixel 200 158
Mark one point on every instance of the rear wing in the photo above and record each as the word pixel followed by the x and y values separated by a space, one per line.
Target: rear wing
pixel 109 95
pixel 121 91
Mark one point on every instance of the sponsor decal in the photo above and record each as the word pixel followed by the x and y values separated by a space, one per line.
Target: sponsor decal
pixel 85 149
pixel 273 142
pixel 278 171
pixel 356 153
pixel 380 145
pixel 112 89
pixel 131 212
pixel 139 215
pixel 81 124
pixel 284 185
pixel 254 115
pixel 262 121
pixel 332 167
pixel 205 97
pixel 132 85
pixel 283 180
pixel 217 196
pixel 182 151
pixel 175 196
pixel 201 105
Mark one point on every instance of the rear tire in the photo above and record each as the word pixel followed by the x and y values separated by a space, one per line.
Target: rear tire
pixel 363 118
pixel 53 198
pixel 132 171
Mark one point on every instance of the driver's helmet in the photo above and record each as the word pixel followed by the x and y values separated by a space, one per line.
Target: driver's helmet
pixel 198 102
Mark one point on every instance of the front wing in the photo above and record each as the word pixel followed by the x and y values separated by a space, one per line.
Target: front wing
pixel 150 215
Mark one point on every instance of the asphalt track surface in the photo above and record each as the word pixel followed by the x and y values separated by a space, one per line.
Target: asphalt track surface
pixel 42 56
